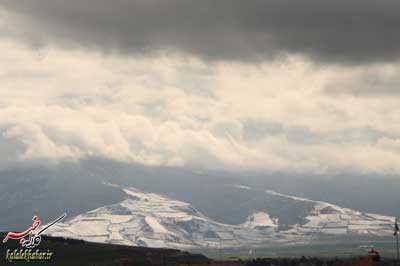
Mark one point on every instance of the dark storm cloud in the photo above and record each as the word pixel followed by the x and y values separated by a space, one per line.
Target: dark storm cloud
pixel 350 31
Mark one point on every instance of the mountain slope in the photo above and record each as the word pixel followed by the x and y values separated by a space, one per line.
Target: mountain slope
pixel 77 188
pixel 148 219
pixel 331 219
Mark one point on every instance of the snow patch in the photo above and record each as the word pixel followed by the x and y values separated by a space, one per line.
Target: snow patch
pixel 260 219
pixel 156 226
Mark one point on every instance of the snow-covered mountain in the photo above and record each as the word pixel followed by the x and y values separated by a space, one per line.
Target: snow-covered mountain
pixel 330 219
pixel 148 219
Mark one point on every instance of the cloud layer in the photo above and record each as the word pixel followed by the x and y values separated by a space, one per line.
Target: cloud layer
pixel 304 87
pixel 340 31
pixel 283 115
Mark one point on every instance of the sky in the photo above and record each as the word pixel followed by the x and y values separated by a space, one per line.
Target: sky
pixel 303 87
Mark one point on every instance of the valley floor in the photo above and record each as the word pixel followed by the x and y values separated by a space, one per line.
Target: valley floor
pixel 80 253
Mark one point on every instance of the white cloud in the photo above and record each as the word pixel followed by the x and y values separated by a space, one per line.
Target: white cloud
pixel 175 110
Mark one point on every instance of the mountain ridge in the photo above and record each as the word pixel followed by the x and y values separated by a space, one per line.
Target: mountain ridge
pixel 149 219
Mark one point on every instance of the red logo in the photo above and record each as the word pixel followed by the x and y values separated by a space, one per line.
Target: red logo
pixel 29 238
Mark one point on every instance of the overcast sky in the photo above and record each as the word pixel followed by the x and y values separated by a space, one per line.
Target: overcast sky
pixel 307 87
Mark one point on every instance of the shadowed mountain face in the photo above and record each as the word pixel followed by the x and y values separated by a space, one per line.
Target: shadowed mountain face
pixel 48 192
pixel 78 188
